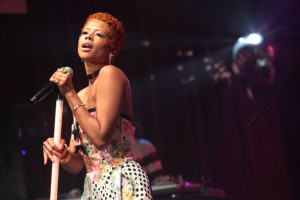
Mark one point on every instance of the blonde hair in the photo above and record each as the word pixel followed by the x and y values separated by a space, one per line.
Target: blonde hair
pixel 117 34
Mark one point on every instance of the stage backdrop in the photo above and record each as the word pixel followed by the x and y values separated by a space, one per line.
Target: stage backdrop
pixel 174 55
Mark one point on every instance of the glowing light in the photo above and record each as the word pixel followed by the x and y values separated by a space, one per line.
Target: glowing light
pixel 152 77
pixel 23 152
pixel 179 67
pixel 208 68
pixel 146 43
pixel 189 53
pixel 254 60
pixel 179 53
pixel 253 38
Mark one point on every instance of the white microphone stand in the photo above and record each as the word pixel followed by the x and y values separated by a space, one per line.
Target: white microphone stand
pixel 57 137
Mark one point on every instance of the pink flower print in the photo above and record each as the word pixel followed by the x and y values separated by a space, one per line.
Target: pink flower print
pixel 127 126
pixel 96 176
pixel 110 160
pixel 103 154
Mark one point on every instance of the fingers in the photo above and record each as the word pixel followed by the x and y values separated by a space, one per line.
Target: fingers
pixel 64 81
pixel 45 157
pixel 59 77
pixel 62 145
pixel 50 149
pixel 51 145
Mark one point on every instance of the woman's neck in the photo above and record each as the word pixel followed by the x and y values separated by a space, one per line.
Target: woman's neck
pixel 90 68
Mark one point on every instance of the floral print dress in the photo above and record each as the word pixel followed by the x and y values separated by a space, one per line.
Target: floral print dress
pixel 112 172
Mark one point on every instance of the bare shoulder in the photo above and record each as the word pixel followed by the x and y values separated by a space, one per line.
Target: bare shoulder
pixel 112 71
pixel 112 74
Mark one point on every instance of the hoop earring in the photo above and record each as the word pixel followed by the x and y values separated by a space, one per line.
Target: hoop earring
pixel 110 58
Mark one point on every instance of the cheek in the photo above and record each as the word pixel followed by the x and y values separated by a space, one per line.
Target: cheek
pixel 78 50
pixel 79 41
pixel 79 45
pixel 102 46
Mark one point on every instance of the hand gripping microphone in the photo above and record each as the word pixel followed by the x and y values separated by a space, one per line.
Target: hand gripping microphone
pixel 47 89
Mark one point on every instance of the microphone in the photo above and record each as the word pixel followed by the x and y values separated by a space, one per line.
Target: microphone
pixel 47 89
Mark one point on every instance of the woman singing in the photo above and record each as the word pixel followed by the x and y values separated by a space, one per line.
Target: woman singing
pixel 103 134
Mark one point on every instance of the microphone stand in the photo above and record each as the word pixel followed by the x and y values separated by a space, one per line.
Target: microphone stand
pixel 292 72
pixel 57 137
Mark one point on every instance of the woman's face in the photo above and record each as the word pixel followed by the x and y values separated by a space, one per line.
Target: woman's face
pixel 93 44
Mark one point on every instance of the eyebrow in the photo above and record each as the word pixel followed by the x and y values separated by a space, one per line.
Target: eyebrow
pixel 97 29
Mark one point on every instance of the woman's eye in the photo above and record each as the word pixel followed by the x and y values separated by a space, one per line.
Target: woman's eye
pixel 100 35
pixel 84 32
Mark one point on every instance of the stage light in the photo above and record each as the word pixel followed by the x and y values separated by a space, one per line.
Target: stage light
pixel 254 39
pixel 253 59
pixel 249 40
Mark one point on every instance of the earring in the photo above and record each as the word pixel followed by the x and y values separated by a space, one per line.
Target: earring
pixel 110 58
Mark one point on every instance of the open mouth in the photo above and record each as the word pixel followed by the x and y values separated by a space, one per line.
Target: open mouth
pixel 87 46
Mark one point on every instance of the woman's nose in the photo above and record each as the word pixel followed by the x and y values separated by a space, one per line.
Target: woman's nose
pixel 88 37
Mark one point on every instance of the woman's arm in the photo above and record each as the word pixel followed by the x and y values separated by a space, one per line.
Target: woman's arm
pixel 110 96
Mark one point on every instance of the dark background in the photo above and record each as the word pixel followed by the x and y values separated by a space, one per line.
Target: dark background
pixel 198 125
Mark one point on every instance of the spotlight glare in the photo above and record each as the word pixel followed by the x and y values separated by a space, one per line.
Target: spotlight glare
pixel 253 60
pixel 241 40
pixel 254 38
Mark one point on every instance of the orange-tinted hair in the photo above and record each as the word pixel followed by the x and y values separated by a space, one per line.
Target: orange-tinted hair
pixel 117 34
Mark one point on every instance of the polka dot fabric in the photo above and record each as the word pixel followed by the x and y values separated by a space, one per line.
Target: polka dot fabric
pixel 133 172
pixel 133 184
pixel 112 172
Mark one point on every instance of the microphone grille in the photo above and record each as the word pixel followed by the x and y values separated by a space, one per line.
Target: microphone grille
pixel 69 69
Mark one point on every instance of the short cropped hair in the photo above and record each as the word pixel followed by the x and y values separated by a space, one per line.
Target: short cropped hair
pixel 117 34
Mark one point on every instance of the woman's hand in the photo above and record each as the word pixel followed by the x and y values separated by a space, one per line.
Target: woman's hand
pixel 50 149
pixel 63 80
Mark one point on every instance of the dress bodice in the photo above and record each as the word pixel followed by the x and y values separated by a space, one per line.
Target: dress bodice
pixel 120 149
